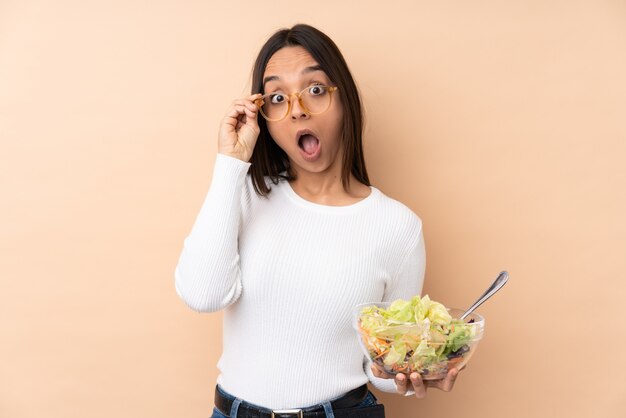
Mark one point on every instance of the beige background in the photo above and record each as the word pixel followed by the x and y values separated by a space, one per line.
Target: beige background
pixel 501 123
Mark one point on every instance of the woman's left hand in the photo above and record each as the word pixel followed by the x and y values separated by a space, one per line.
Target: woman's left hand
pixel 419 386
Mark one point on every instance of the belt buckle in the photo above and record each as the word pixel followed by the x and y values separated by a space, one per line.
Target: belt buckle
pixel 277 413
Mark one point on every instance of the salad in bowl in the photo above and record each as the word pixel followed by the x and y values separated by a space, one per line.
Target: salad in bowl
pixel 417 335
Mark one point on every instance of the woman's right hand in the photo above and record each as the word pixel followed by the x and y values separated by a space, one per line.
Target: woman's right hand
pixel 239 129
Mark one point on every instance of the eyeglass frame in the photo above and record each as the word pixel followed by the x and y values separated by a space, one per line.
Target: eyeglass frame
pixel 330 89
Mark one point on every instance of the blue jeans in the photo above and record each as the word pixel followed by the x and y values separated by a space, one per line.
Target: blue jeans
pixel 370 400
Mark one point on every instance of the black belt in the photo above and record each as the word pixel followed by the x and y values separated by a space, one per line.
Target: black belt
pixel 341 407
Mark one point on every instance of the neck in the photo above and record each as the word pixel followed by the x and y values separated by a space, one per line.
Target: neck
pixel 320 184
pixel 323 183
pixel 326 187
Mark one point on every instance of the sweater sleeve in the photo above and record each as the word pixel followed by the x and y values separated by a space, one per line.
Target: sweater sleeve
pixel 207 276
pixel 408 283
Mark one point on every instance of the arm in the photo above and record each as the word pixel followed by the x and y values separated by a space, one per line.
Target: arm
pixel 408 283
pixel 207 276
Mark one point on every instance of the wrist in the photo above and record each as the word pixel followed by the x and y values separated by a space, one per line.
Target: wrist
pixel 233 155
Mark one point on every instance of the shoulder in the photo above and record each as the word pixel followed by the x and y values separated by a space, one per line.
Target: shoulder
pixel 398 210
pixel 398 217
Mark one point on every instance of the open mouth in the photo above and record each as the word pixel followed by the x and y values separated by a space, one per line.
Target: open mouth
pixel 308 142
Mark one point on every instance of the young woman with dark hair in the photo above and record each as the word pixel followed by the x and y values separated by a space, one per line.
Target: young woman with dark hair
pixel 292 235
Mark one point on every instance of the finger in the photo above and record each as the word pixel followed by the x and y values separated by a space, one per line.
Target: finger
pixel 238 113
pixel 251 115
pixel 251 120
pixel 452 374
pixel 231 119
pixel 240 107
pixel 251 104
pixel 402 383
pixel 418 385
pixel 234 114
pixel 377 372
pixel 246 109
pixel 448 383
pixel 248 99
pixel 245 103
pixel 252 107
pixel 380 373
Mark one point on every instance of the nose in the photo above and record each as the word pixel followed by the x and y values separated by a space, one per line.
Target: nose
pixel 297 111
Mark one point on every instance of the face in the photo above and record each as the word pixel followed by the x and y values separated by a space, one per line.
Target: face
pixel 289 70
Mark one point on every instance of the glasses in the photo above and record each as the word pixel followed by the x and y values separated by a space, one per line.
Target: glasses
pixel 314 99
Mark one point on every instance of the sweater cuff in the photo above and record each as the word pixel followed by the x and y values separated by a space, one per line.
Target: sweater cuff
pixel 384 385
pixel 409 391
pixel 230 166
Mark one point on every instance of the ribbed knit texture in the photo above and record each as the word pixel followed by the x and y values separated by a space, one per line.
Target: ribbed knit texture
pixel 288 272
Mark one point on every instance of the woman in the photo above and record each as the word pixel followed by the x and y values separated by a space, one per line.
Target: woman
pixel 292 235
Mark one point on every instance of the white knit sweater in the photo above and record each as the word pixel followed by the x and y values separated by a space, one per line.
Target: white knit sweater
pixel 288 272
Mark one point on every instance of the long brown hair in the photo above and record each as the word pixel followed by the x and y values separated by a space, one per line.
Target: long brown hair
pixel 268 159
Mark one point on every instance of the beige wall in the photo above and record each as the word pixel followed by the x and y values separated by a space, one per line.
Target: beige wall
pixel 501 123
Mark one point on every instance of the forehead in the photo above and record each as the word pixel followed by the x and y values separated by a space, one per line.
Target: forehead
pixel 288 63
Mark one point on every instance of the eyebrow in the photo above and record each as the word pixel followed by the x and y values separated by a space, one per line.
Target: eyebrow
pixel 310 69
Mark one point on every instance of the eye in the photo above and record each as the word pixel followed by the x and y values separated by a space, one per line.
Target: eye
pixel 317 90
pixel 277 98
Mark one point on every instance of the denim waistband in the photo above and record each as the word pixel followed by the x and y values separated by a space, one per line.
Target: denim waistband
pixel 237 402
